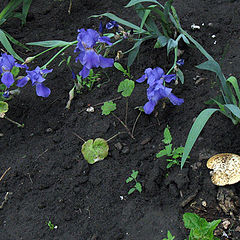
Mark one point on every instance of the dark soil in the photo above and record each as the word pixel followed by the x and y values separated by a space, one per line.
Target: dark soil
pixel 49 178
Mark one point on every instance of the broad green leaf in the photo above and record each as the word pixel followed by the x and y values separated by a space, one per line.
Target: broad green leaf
pixel 131 191
pixel 191 220
pixel 195 131
pixel 108 107
pixel 179 74
pixel 171 45
pixel 233 109
pixel 119 67
pixel 138 186
pixel 126 87
pixel 129 179
pixel 161 42
pixel 15 70
pixel 134 174
pixel 51 43
pixel 168 149
pixel 94 151
pixel 161 153
pixel 3 107
pixel 167 136
pixel 232 80
pixel 6 44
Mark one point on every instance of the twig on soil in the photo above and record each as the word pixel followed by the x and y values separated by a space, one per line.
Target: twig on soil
pixel 14 122
pixel 41 154
pixel 135 123
pixel 111 138
pixel 78 136
pixel 5 199
pixel 189 199
pixel 4 174
pixel 124 125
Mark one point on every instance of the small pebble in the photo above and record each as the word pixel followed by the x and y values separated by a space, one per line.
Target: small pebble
pixel 118 146
pixel 125 150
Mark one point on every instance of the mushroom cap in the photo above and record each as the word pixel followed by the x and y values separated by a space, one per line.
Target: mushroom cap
pixel 226 169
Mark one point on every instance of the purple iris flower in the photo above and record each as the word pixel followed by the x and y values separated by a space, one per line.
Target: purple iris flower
pixel 180 62
pixel 111 25
pixel 7 62
pixel 88 57
pixel 157 90
pixel 37 79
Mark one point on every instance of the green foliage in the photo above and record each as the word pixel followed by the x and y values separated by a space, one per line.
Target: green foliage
pixel 89 81
pixel 169 236
pixel 125 72
pixel 108 107
pixel 199 227
pixel 126 87
pixel 228 104
pixel 148 28
pixel 172 154
pixel 95 150
pixel 133 177
pixel 9 11
pixel 3 107
pixel 50 225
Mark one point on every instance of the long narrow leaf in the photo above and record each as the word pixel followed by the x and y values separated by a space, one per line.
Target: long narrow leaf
pixel 14 41
pixel 25 9
pixel 133 53
pixel 50 43
pixel 195 131
pixel 10 8
pixel 6 44
pixel 232 80
pixel 120 21
pixel 146 19
pixel 134 2
pixel 213 66
pixel 235 110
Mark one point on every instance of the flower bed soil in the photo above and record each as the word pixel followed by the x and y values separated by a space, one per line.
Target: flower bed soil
pixel 50 180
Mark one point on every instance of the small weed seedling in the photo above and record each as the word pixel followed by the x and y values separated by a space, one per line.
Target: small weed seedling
pixel 50 225
pixel 173 155
pixel 137 186
pixel 199 227
pixel 169 236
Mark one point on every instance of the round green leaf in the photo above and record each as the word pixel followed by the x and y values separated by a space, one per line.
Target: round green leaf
pixel 94 151
pixel 3 107
pixel 126 87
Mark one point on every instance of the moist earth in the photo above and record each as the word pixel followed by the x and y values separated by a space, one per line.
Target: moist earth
pixel 49 180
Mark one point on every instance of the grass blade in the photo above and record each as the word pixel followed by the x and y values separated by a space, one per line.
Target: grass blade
pixel 195 131
pixel 25 9
pixel 134 2
pixel 10 8
pixel 120 21
pixel 6 44
pixel 50 43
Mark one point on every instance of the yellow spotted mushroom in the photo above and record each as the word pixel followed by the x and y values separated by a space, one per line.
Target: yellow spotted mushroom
pixel 226 169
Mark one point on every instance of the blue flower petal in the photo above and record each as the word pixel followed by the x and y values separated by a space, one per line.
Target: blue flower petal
pixel 104 39
pixel 141 79
pixel 149 107
pixel 22 82
pixel 7 79
pixel 90 59
pixel 42 91
pixel 84 72
pixel 169 78
pixel 105 62
pixel 175 100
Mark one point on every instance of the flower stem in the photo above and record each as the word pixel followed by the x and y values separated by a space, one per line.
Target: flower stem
pixel 135 123
pixel 14 122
